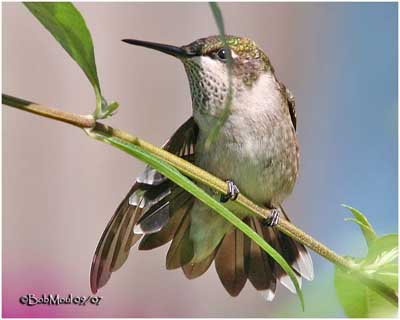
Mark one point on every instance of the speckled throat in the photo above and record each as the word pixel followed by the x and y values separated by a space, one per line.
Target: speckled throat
pixel 208 74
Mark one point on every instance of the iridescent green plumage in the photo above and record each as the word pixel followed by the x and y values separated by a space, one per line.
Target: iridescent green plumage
pixel 250 59
pixel 243 47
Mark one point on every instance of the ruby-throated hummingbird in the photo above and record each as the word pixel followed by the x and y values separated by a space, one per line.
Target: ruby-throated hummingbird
pixel 255 151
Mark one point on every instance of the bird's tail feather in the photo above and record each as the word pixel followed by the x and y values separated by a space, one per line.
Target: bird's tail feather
pixel 181 249
pixel 237 259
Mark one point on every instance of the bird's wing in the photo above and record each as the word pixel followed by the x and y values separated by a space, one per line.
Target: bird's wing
pixel 147 208
pixel 292 107
pixel 291 103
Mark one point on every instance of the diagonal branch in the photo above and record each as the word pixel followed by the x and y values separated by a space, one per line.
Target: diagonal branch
pixel 202 176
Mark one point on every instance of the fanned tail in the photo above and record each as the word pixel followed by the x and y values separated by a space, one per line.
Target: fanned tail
pixel 237 259
pixel 231 261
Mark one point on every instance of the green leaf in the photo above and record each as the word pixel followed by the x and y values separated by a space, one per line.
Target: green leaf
pixel 362 221
pixel 227 108
pixel 174 175
pixel 221 28
pixel 67 25
pixel 351 294
pixel 110 110
pixel 359 300
pixel 382 251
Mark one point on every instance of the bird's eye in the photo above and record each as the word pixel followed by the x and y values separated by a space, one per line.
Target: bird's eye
pixel 222 54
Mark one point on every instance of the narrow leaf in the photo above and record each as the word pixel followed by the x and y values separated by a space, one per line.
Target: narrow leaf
pixel 363 227
pixel 226 112
pixel 362 221
pixel 174 175
pixel 67 25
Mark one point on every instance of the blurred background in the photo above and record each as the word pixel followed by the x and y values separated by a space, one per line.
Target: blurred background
pixel 60 188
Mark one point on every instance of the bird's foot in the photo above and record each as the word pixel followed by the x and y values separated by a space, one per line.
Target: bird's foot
pixel 232 193
pixel 273 219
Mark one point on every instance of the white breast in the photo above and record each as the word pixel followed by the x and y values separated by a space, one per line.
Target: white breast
pixel 256 147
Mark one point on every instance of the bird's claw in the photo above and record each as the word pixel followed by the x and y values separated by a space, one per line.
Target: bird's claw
pixel 273 219
pixel 232 193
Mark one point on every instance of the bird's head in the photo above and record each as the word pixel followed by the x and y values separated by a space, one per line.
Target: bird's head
pixel 206 63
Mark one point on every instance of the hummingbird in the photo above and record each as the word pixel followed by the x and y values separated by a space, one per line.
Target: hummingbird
pixel 255 152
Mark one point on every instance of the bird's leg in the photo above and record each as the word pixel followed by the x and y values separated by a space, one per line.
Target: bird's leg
pixel 273 219
pixel 232 193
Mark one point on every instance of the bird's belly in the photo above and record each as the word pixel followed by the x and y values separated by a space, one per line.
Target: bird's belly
pixel 264 167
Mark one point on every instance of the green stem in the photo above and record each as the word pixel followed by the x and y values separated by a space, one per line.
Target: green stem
pixel 67 117
pixel 202 176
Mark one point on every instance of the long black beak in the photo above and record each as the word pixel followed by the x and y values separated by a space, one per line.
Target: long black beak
pixel 171 50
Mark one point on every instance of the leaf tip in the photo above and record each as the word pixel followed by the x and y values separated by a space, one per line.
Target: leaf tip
pixel 346 206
